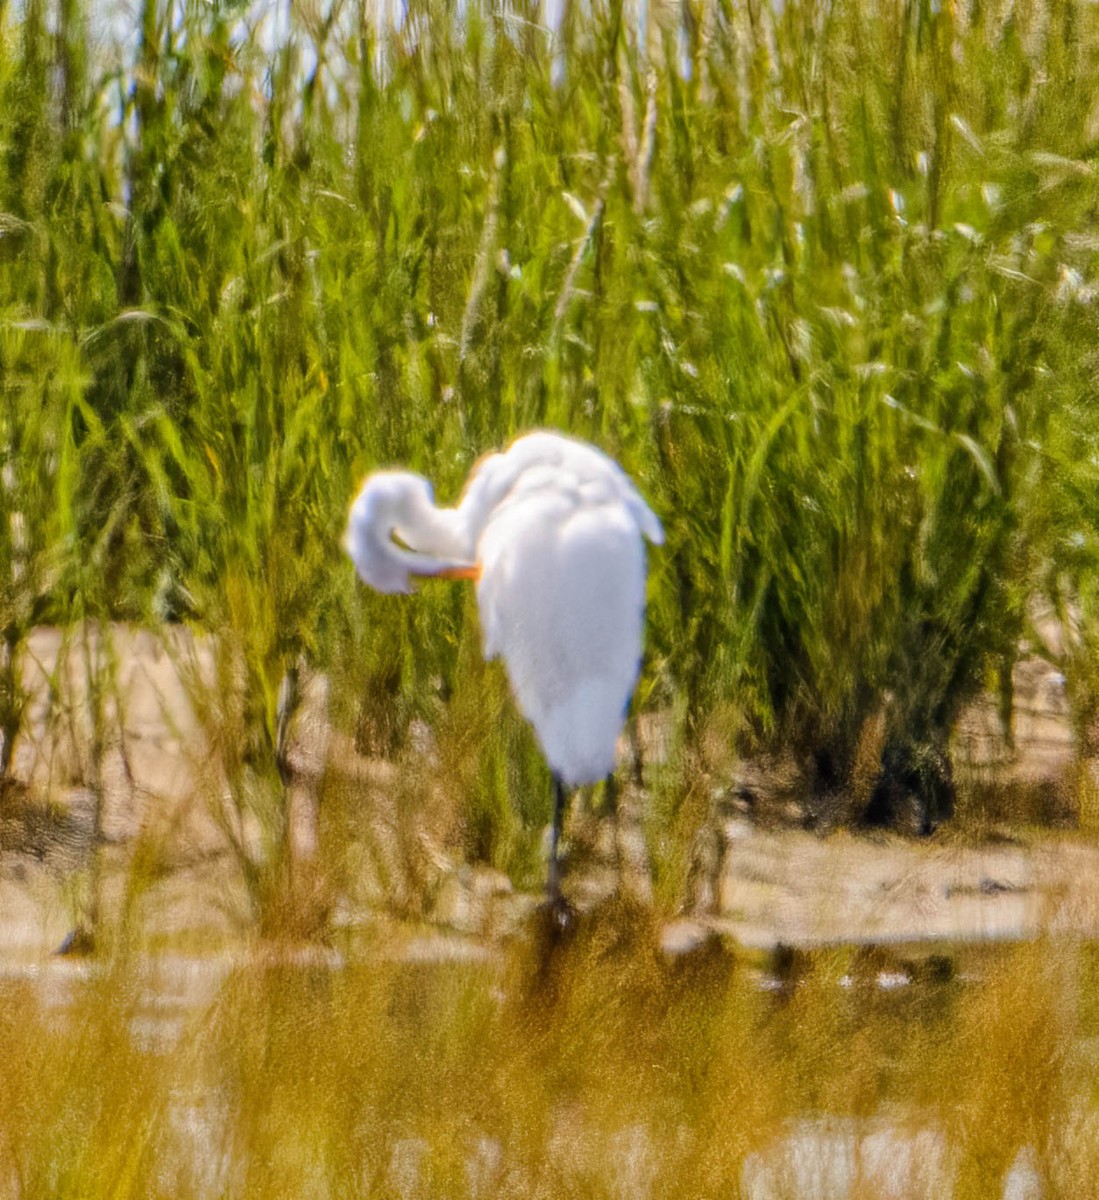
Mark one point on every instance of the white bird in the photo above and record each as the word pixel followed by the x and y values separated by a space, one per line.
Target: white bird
pixel 553 531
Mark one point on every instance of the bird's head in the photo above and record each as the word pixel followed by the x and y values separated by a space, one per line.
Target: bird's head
pixel 389 503
pixel 394 532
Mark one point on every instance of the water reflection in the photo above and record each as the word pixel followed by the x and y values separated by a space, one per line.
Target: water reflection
pixel 832 1159
pixel 607 1061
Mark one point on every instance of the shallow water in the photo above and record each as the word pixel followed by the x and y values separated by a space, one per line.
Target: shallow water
pixel 852 1016
pixel 598 1064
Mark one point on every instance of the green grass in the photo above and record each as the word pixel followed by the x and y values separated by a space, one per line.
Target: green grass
pixel 820 279
pixel 823 280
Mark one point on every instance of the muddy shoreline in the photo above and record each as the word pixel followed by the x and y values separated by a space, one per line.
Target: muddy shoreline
pixel 772 882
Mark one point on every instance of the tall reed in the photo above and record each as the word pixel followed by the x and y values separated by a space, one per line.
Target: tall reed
pixel 819 275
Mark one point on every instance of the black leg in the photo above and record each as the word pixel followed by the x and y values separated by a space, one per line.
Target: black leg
pixel 633 737
pixel 553 882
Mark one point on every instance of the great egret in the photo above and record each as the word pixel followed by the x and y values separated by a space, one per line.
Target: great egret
pixel 552 531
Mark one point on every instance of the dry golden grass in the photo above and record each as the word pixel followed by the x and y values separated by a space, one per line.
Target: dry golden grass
pixel 594 1066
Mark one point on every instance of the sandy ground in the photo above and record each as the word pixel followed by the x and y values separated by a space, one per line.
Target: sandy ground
pixel 770 886
pixel 773 889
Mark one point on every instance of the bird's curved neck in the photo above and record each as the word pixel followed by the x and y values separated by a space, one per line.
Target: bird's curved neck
pixel 423 531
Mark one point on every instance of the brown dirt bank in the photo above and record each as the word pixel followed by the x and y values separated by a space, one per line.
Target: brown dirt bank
pixel 773 882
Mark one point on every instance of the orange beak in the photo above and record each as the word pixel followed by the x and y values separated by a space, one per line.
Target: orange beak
pixel 471 572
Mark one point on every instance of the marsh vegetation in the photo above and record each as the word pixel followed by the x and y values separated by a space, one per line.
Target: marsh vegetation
pixel 618 1073
pixel 822 277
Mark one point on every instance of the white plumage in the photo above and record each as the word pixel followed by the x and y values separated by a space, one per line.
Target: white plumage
pixel 553 531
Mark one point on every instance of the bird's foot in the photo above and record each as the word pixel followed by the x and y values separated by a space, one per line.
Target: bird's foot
pixel 78 941
pixel 559 914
